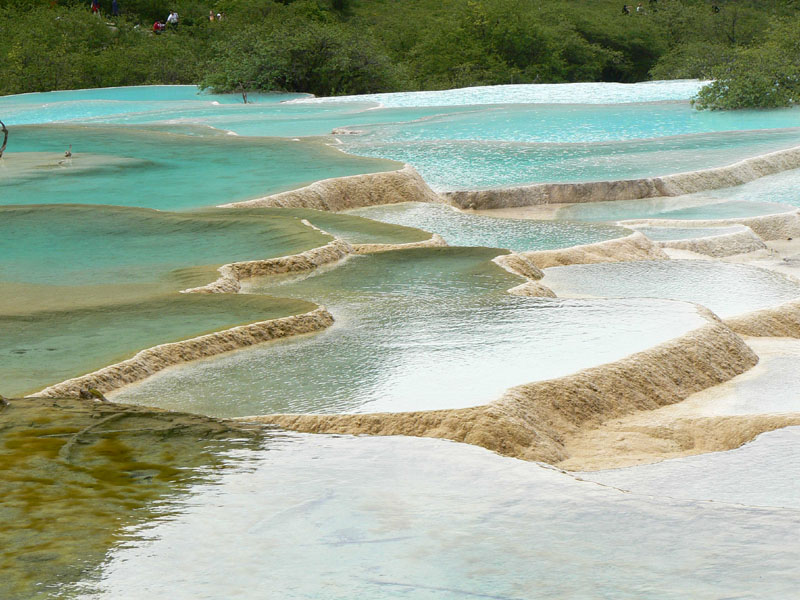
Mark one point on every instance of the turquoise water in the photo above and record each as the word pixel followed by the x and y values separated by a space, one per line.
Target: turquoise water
pixel 461 229
pixel 340 517
pixel 464 164
pixel 163 170
pixel 471 138
pixel 782 187
pixel 727 289
pixel 391 518
pixel 46 347
pixel 576 124
pixel 88 245
pixel 415 330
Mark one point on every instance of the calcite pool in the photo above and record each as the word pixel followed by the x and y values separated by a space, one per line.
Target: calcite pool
pixel 416 330
pixel 92 274
pixel 726 289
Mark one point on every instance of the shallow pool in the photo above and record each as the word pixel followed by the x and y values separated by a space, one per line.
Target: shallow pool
pixel 727 289
pixel 694 207
pixel 666 234
pixel 161 169
pixel 762 473
pixel 463 229
pixel 387 518
pixel 416 330
pixel 45 347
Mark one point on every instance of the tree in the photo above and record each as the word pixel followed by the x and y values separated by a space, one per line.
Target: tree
pixel 763 76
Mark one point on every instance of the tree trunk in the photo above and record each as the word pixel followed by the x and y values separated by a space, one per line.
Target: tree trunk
pixel 5 138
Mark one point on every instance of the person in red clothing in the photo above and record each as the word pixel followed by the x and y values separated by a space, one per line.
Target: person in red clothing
pixel 158 27
pixel 96 7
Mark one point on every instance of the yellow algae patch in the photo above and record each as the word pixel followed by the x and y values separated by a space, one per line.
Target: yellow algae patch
pixel 75 473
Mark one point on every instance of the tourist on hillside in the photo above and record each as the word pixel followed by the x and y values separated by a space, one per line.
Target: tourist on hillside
pixel 114 8
pixel 158 27
pixel 95 7
pixel 211 15
pixel 172 20
pixel 626 9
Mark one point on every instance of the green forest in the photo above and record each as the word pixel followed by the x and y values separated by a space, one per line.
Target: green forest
pixel 329 47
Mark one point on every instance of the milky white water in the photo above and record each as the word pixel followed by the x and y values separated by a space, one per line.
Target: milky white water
pixel 329 517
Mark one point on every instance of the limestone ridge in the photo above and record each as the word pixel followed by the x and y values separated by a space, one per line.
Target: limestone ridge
pixel 719 246
pixel 530 421
pixel 767 227
pixel 779 321
pixel 677 184
pixel 355 191
pixel 634 247
pixel 232 274
pixel 518 265
pixel 150 361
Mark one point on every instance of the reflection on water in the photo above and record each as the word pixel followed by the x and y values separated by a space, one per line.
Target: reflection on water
pixel 727 289
pixel 388 518
pixel 462 229
pixel 418 329
pixel 75 473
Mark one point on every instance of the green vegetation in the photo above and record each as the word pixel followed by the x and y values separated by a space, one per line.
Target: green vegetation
pixel 330 47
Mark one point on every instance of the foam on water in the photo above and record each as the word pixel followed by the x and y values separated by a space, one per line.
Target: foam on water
pixel 727 289
pixel 462 229
pixel 390 518
pixel 416 330
pixel 540 93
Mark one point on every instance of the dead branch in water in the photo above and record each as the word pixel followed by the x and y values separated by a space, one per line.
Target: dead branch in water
pixel 5 138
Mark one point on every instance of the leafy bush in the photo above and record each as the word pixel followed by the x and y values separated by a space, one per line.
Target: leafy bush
pixel 763 76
